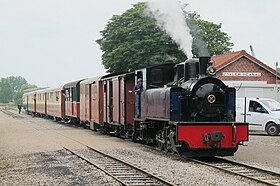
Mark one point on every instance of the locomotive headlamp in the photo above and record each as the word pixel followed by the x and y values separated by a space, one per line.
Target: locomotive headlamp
pixel 211 70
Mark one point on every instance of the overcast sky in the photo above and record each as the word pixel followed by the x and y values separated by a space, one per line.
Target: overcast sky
pixel 51 42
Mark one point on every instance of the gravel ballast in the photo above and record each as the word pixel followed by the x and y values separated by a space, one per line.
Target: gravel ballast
pixel 31 153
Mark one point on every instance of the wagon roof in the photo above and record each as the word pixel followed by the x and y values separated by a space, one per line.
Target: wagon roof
pixel 91 80
pixel 33 90
pixel 72 84
pixel 49 90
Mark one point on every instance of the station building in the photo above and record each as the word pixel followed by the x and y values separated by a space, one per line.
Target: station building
pixel 250 76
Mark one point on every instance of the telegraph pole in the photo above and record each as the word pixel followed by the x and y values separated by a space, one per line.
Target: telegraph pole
pixel 276 82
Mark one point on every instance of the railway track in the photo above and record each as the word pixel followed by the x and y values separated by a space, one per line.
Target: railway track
pixel 127 174
pixel 9 113
pixel 247 171
pixel 232 167
pixel 123 172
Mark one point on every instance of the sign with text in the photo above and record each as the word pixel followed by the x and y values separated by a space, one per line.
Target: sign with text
pixel 243 74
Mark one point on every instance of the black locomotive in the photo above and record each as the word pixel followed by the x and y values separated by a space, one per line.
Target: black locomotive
pixel 188 110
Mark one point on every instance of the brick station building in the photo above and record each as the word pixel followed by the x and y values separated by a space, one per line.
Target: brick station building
pixel 250 76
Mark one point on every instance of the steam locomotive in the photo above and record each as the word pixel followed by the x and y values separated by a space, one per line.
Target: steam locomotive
pixel 184 109
pixel 192 114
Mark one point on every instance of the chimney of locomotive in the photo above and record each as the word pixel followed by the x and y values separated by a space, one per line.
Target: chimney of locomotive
pixel 191 69
pixel 203 64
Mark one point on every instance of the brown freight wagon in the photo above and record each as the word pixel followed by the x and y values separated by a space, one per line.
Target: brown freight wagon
pixel 119 102
pixel 91 102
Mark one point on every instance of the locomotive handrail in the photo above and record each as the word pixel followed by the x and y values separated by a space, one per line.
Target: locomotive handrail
pixel 233 133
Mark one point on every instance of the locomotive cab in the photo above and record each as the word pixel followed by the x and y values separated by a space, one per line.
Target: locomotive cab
pixel 157 76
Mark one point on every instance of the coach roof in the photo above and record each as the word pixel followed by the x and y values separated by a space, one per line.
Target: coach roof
pixel 72 84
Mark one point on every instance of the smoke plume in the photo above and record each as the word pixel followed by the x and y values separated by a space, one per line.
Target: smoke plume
pixel 170 18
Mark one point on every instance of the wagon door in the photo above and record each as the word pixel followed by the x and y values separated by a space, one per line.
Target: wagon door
pixel 129 100
pixel 105 108
pixel 94 105
pixel 116 101
pixel 88 102
pixel 83 102
pixel 122 101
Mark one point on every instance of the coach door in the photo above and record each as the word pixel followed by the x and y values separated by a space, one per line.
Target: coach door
pixel 110 101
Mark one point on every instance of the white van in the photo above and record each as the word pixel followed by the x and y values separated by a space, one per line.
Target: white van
pixel 262 114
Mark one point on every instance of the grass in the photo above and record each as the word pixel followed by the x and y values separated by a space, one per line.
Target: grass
pixel 7 104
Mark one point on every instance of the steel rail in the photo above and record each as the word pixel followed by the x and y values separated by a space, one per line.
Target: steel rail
pixel 253 173
pixel 123 172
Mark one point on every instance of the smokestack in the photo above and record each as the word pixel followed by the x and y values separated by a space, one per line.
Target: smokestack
pixel 191 69
pixel 203 64
pixel 252 51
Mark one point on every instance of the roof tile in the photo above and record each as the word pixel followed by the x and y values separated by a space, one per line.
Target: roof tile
pixel 221 61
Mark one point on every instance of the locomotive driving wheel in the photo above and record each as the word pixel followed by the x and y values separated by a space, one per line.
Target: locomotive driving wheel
pixel 163 142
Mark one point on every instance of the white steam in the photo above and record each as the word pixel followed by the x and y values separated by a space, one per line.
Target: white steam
pixel 170 18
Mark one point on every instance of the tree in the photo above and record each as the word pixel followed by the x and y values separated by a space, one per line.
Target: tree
pixel 18 95
pixel 132 40
pixel 6 92
pixel 16 82
pixel 11 89
pixel 208 39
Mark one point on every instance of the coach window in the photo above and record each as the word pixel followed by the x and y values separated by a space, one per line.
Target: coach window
pixel 70 95
pixel 51 96
pixel 57 96
pixel 74 96
pixel 67 94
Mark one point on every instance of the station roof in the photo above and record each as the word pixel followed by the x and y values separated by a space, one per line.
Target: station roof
pixel 221 61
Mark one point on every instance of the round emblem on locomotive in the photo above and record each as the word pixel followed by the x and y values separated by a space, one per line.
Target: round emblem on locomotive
pixel 211 98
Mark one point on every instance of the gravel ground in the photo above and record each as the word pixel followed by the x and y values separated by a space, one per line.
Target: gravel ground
pixel 50 168
pixel 261 151
pixel 31 153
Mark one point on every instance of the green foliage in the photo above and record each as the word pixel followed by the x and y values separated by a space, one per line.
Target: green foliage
pixel 132 40
pixel 208 39
pixel 6 91
pixel 11 89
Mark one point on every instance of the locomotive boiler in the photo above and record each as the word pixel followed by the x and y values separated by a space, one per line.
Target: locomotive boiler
pixel 189 111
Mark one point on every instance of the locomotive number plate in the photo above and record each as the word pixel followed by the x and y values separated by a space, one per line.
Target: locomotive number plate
pixel 211 98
